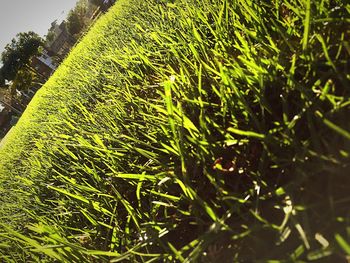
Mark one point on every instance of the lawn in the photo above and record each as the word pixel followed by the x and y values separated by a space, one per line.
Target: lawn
pixel 188 131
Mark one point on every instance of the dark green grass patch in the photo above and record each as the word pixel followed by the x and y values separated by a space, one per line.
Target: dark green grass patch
pixel 190 131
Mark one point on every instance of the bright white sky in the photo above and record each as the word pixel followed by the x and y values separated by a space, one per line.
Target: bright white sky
pixel 30 15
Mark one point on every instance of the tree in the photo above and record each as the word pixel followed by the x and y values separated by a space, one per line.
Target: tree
pixel 2 79
pixel 76 18
pixel 74 23
pixel 96 2
pixel 25 79
pixel 18 53
pixel 51 32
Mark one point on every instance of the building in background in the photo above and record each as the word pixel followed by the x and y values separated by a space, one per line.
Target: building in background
pixel 44 64
pixel 61 41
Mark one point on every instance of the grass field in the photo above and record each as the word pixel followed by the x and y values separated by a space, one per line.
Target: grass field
pixel 188 131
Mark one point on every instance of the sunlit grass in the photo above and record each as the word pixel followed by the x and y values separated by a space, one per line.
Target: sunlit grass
pixel 187 131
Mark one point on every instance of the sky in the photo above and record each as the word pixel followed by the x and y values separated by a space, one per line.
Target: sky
pixel 30 15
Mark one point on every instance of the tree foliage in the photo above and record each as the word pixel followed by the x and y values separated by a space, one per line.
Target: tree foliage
pixel 50 32
pixel 76 18
pixel 2 79
pixel 25 79
pixel 96 2
pixel 74 23
pixel 18 53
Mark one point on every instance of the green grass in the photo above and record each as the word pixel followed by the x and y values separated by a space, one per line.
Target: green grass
pixel 188 131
